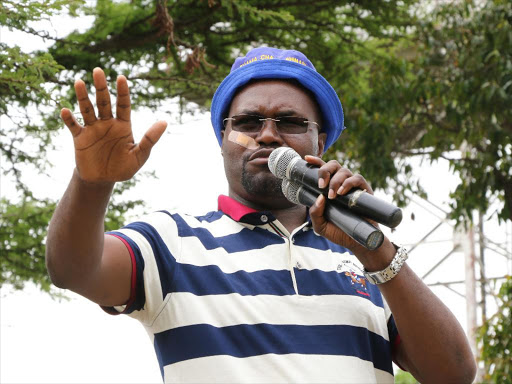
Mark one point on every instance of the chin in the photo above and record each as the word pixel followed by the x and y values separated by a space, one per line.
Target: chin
pixel 260 185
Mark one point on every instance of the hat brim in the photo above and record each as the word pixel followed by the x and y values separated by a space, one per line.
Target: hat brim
pixel 328 100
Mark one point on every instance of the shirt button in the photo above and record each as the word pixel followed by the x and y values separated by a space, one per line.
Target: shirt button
pixel 264 218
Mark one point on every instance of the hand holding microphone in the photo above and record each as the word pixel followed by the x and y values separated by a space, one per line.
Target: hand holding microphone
pixel 344 211
pixel 358 229
pixel 286 163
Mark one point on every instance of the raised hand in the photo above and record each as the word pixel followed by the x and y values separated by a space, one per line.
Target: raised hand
pixel 105 151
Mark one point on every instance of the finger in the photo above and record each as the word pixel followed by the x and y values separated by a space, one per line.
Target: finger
pixel 86 107
pixel 314 160
pixel 326 171
pixel 70 122
pixel 316 213
pixel 151 137
pixel 318 162
pixel 354 181
pixel 337 181
pixel 102 94
pixel 123 105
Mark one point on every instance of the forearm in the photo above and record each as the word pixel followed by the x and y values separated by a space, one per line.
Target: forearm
pixel 433 346
pixel 76 232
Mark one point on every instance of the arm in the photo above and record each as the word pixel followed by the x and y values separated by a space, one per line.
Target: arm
pixel 433 345
pixel 78 254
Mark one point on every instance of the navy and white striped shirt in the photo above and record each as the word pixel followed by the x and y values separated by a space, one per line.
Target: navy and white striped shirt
pixel 231 296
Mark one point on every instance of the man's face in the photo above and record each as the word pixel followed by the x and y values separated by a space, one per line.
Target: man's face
pixel 249 178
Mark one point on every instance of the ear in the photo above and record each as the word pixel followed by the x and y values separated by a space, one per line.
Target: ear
pixel 322 137
pixel 222 145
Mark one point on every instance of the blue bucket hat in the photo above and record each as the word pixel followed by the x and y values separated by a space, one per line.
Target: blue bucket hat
pixel 273 63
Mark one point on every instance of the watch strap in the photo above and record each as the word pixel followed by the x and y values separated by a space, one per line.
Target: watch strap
pixel 388 273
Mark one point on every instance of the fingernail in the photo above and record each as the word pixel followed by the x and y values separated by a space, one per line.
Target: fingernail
pixel 341 190
pixel 319 200
pixel 331 194
pixel 321 183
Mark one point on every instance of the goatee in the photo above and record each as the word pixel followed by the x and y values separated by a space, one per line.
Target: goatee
pixel 262 184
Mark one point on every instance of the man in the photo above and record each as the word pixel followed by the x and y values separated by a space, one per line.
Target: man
pixel 262 290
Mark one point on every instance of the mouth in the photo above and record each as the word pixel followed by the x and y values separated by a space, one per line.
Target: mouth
pixel 260 156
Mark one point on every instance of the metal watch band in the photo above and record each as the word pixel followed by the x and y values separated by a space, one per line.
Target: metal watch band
pixel 391 270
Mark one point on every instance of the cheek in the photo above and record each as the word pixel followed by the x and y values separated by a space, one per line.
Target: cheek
pixel 233 158
pixel 304 146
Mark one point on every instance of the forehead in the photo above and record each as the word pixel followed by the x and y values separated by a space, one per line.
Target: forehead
pixel 273 96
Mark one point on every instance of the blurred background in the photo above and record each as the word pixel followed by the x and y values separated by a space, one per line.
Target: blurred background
pixel 426 88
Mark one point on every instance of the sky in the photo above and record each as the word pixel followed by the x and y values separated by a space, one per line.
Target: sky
pixel 43 340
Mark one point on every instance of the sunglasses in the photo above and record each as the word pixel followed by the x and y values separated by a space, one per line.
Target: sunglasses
pixel 291 125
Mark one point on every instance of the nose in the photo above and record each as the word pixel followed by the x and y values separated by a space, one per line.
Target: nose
pixel 268 133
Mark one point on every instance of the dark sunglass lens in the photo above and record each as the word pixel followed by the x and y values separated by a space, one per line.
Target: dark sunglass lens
pixel 246 123
pixel 292 125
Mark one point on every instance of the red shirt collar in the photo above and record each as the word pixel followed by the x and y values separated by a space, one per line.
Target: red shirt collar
pixel 233 208
pixel 242 213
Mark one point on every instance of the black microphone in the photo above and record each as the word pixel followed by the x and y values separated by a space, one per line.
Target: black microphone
pixel 285 163
pixel 357 228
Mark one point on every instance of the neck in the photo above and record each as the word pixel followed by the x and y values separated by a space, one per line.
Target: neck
pixel 291 217
pixel 288 214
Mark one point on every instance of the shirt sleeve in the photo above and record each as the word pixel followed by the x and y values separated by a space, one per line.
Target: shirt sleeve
pixel 137 294
pixel 152 243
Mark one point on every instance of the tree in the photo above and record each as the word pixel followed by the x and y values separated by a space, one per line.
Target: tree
pixel 495 337
pixel 167 49
pixel 444 91
pixel 435 83
pixel 413 83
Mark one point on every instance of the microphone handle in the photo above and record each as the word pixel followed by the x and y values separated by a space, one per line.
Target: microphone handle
pixel 357 228
pixel 358 201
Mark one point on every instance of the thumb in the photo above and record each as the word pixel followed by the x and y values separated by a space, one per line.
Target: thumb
pixel 151 137
pixel 70 122
pixel 316 213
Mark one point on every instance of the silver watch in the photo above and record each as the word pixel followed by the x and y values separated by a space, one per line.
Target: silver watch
pixel 391 270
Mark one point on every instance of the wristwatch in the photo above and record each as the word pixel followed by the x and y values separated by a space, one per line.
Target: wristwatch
pixel 391 270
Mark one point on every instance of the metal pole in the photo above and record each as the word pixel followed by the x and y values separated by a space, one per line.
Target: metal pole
pixel 468 243
pixel 483 282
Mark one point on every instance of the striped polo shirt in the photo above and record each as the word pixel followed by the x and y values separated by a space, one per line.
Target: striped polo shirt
pixel 232 296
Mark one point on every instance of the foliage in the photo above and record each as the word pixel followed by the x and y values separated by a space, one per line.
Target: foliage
pixel 495 337
pixel 23 228
pixel 412 82
pixel 403 377
pixel 469 76
pixel 22 235
pixel 28 91
pixel 167 49
pixel 443 92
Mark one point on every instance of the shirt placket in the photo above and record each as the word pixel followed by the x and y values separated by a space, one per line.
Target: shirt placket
pixel 293 254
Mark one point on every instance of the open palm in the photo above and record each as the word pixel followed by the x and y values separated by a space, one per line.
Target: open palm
pixel 105 150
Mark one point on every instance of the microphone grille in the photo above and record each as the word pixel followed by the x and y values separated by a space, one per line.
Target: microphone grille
pixel 280 159
pixel 290 190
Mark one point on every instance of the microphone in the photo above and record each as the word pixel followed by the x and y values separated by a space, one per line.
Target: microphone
pixel 285 163
pixel 357 228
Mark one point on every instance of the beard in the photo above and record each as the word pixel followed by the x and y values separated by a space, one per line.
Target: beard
pixel 261 184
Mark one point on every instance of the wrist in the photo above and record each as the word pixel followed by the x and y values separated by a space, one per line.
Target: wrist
pixel 377 259
pixel 391 271
pixel 99 186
